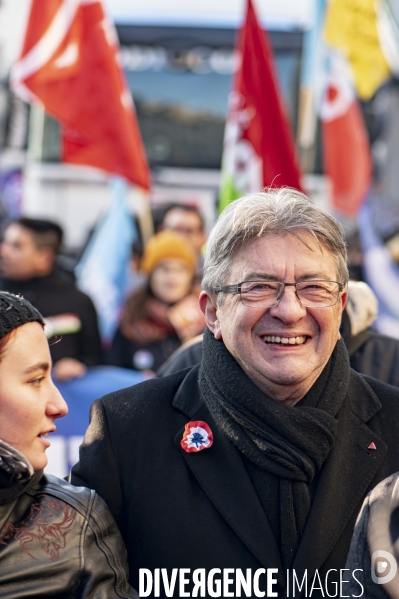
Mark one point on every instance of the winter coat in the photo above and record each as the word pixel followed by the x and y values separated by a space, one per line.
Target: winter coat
pixel 200 510
pixel 372 353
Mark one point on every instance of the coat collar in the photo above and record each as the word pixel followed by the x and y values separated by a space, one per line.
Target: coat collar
pixel 344 479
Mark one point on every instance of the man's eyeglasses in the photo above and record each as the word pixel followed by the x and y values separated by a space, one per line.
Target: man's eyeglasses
pixel 267 294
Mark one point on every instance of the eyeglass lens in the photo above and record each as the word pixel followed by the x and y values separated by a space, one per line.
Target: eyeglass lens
pixel 319 294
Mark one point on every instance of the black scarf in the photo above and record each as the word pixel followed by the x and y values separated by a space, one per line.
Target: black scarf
pixel 289 442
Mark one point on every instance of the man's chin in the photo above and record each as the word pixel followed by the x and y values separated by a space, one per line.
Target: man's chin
pixel 286 380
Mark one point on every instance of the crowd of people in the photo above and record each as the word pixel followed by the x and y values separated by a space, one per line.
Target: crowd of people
pixel 155 320
pixel 263 455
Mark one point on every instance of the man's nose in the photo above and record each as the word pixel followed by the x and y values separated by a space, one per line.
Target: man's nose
pixel 289 309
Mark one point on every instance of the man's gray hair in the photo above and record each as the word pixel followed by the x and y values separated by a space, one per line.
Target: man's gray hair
pixel 275 211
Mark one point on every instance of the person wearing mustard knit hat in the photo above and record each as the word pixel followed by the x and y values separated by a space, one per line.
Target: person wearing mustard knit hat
pixel 159 317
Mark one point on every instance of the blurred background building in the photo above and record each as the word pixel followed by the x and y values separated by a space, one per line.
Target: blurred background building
pixel 178 63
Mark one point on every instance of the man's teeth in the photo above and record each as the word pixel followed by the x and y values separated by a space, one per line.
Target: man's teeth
pixel 285 340
pixel 44 435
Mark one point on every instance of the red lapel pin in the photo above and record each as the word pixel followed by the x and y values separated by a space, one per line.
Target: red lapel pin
pixel 372 446
pixel 196 437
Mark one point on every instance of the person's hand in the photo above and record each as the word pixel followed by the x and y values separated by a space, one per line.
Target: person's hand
pixel 67 369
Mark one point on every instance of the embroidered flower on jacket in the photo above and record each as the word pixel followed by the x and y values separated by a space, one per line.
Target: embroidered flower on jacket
pixel 196 437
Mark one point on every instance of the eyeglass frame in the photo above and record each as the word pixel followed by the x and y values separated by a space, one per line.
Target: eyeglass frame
pixel 237 289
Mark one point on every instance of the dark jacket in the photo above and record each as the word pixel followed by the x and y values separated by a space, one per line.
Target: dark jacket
pixel 150 356
pixel 56 295
pixel 200 510
pixel 372 353
pixel 186 356
pixel 56 540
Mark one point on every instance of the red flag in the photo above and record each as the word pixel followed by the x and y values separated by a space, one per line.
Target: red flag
pixel 346 148
pixel 259 148
pixel 70 63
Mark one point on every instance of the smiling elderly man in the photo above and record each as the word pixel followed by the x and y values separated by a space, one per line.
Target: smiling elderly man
pixel 261 456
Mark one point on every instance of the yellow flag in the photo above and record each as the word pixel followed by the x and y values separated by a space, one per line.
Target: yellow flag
pixel 352 26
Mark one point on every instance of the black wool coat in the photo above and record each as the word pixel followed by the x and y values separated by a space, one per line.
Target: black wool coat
pixel 200 510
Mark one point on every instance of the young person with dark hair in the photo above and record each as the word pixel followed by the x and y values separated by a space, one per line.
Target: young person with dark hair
pixel 187 221
pixel 55 540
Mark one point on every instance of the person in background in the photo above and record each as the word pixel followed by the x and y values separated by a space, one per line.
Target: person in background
pixel 27 265
pixel 187 221
pixel 370 352
pixel 156 319
pixel 55 540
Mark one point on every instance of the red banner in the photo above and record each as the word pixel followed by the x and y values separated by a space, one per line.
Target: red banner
pixel 346 148
pixel 266 125
pixel 70 63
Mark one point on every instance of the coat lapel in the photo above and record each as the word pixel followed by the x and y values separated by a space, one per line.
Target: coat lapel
pixel 221 473
pixel 345 478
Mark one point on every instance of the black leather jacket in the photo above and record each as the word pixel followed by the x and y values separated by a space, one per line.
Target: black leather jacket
pixel 56 540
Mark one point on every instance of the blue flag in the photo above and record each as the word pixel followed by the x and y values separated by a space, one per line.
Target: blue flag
pixel 102 272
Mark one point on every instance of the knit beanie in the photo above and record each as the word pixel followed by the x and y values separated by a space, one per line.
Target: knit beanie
pixel 16 311
pixel 165 245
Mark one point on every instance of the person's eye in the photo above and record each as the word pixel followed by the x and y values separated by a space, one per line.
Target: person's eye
pixel 314 286
pixel 262 287
pixel 317 287
pixel 38 381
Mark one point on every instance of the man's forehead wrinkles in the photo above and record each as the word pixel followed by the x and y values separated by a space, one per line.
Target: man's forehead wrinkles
pixel 270 276
pixel 261 276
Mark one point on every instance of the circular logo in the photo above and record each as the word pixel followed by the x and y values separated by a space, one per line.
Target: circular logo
pixel 383 567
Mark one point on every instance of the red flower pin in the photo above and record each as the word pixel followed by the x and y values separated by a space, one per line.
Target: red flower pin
pixel 196 437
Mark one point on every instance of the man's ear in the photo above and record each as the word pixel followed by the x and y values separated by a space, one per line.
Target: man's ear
pixel 344 298
pixel 208 305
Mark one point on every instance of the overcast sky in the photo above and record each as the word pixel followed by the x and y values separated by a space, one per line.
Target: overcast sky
pixel 209 12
